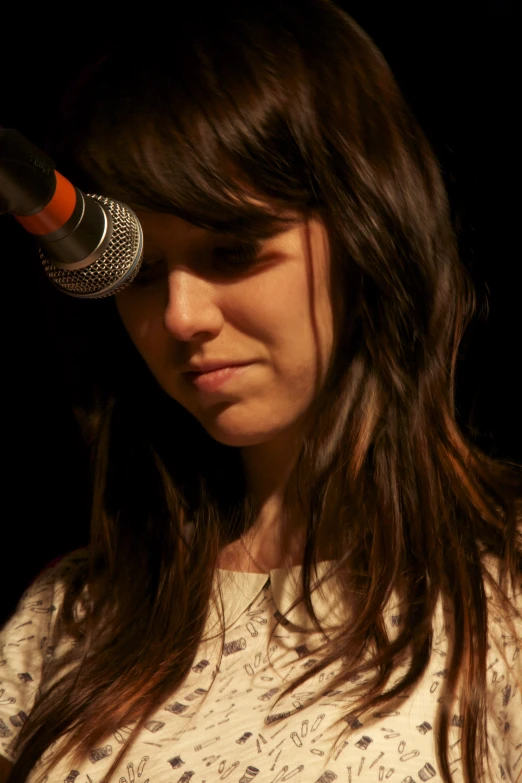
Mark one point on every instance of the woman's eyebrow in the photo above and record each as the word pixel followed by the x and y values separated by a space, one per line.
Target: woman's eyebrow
pixel 251 233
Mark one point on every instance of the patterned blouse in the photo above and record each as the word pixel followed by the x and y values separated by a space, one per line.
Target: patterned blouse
pixel 223 723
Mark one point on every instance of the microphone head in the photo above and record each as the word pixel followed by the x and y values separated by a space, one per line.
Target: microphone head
pixel 112 266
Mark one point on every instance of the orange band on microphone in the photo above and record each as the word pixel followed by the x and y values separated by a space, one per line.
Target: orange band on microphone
pixel 56 213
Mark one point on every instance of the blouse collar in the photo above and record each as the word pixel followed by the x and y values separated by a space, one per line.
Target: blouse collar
pixel 240 589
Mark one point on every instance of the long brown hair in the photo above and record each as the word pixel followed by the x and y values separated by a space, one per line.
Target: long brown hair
pixel 291 101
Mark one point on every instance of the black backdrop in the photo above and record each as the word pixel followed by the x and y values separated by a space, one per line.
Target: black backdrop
pixel 458 69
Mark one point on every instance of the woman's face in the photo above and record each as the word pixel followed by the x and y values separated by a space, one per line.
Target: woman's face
pixel 193 304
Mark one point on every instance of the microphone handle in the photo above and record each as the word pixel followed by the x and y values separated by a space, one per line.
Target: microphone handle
pixel 71 229
pixel 27 178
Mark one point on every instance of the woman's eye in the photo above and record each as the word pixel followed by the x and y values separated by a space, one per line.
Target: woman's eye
pixel 149 272
pixel 239 257
pixel 228 259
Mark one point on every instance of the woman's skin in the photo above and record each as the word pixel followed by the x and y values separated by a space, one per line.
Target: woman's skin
pixel 191 305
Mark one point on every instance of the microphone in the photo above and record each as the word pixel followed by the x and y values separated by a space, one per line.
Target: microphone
pixel 90 246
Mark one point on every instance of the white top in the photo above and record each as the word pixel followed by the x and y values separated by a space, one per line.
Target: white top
pixel 220 725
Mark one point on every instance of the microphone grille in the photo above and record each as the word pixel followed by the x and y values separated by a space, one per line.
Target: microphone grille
pixel 115 267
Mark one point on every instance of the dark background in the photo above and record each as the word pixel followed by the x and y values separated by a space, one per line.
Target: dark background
pixel 459 70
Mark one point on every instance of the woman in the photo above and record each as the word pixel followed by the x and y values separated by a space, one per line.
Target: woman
pixel 299 569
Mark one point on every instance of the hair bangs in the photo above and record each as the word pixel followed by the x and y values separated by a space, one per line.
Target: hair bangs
pixel 213 142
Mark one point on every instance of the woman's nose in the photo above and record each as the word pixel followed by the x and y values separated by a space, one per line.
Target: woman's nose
pixel 191 310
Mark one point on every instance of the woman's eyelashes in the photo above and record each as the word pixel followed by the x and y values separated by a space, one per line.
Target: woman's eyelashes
pixel 150 271
pixel 239 256
pixel 223 260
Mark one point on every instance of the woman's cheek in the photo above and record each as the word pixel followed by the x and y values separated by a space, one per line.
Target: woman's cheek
pixel 143 329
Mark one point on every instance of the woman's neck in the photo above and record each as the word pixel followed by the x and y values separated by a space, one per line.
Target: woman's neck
pixel 272 542
pixel 266 545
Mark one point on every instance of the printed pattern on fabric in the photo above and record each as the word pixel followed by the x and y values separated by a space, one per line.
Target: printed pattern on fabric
pixel 223 724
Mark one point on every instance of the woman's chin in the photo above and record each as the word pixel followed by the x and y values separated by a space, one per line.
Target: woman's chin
pixel 239 438
pixel 239 433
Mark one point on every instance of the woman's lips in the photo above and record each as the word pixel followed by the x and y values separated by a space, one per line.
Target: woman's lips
pixel 211 381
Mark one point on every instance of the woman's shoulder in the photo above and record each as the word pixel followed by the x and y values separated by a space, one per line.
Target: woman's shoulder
pixel 503 592
pixel 502 588
pixel 39 605
pixel 504 665
pixel 62 566
pixel 27 643
pixel 50 583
